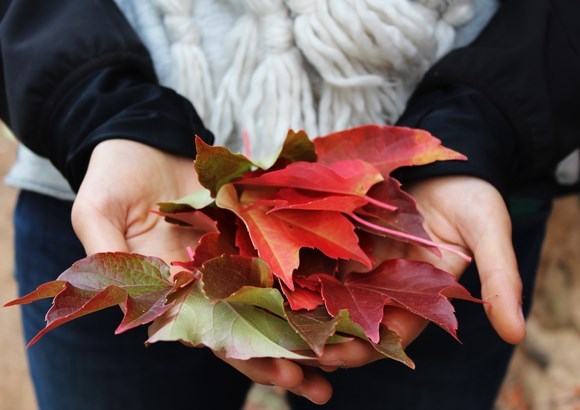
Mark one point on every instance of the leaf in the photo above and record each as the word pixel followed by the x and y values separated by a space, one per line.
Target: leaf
pixel 365 307
pixel 314 326
pixel 139 284
pixel 242 331
pixel 217 166
pixel 297 147
pixel 390 343
pixel 196 219
pixel 406 218
pixel 301 297
pixel 316 201
pixel 416 286
pixel 385 147
pixel 279 236
pixel 197 200
pixel 225 275
pixel 319 177
pixel 211 245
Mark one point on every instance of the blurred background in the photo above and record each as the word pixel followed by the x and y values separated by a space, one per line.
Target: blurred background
pixel 544 374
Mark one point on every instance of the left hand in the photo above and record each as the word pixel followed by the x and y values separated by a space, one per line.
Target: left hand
pixel 470 214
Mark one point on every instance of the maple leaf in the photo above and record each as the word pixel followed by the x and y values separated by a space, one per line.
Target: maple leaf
pixel 279 236
pixel 319 177
pixel 416 286
pixel 385 147
pixel 139 284
pixel 316 201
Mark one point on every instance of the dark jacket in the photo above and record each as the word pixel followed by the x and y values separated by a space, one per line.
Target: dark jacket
pixel 74 74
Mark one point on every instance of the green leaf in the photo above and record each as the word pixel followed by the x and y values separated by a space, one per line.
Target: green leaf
pixel 240 330
pixel 315 326
pixel 197 200
pixel 297 147
pixel 217 166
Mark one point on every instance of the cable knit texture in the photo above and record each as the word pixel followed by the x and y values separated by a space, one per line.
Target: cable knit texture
pixel 264 66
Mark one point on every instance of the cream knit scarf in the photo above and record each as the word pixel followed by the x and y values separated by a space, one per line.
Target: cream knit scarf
pixel 264 66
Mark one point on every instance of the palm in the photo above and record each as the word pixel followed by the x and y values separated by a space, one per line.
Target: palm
pixel 469 214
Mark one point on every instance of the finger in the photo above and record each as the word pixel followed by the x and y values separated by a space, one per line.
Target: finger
pixel 355 353
pixel 501 285
pixel 301 381
pixel 97 232
pixel 404 323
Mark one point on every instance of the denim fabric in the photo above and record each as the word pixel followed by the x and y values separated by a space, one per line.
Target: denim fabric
pixel 83 365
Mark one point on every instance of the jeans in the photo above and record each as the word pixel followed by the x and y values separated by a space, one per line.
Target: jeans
pixel 83 365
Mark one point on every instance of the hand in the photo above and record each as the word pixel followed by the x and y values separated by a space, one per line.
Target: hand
pixel 470 214
pixel 124 180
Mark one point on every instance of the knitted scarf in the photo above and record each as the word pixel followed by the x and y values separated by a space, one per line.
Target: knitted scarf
pixel 264 66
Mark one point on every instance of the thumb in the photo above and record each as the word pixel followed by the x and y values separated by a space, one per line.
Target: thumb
pixel 96 231
pixel 501 285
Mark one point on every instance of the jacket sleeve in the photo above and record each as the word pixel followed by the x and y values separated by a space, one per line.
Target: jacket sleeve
pixel 74 74
pixel 509 100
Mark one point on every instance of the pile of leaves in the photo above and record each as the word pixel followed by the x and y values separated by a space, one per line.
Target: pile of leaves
pixel 291 257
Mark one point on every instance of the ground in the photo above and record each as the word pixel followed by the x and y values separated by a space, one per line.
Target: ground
pixel 544 375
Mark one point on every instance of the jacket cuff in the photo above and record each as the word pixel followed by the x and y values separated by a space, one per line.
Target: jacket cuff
pixel 114 103
pixel 468 122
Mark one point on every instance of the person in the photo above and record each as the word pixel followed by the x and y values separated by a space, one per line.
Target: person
pixel 81 90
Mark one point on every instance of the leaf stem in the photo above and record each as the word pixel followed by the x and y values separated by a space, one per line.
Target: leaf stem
pixel 380 204
pixel 247 146
pixel 410 237
pixel 190 253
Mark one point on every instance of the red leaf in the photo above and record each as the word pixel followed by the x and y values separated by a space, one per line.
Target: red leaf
pixel 139 284
pixel 416 286
pixel 364 306
pixel 224 276
pixel 406 218
pixel 302 297
pixel 385 147
pixel 279 236
pixel 321 178
pixel 211 245
pixel 46 290
pixel 316 201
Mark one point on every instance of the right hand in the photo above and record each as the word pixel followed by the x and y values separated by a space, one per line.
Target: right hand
pixel 111 213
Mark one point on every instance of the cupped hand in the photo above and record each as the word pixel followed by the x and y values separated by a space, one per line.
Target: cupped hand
pixel 123 182
pixel 469 214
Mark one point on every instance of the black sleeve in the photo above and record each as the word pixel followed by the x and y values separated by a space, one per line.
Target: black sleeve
pixel 74 74
pixel 509 101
